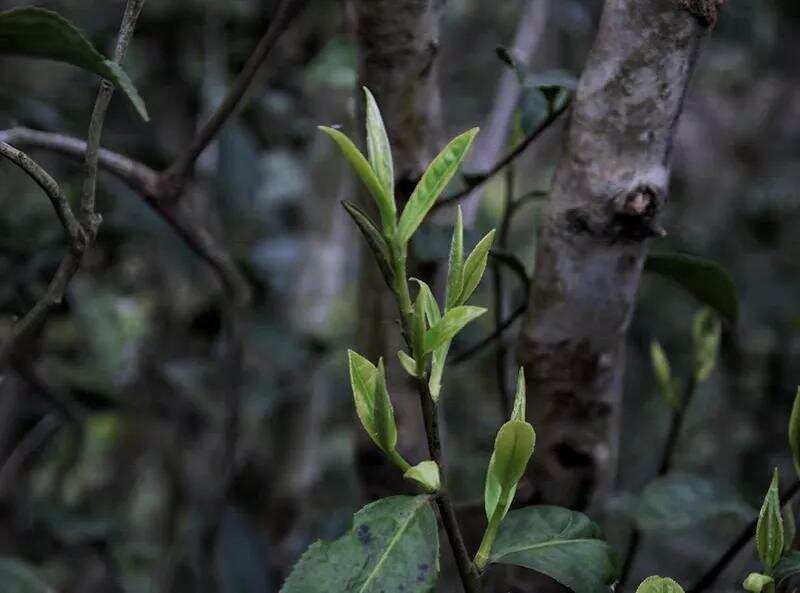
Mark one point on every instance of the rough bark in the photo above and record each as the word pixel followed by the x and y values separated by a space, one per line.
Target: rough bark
pixel 608 189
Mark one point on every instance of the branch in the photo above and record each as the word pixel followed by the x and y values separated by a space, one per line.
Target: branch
pixel 36 438
pixel 53 191
pixel 81 233
pixel 143 180
pixel 740 542
pixel 175 177
pixel 136 175
pixel 665 465
pixel 506 160
pixel 91 221
pixel 466 568
pixel 491 142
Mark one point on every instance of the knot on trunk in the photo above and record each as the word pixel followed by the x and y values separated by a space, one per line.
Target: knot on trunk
pixel 707 11
pixel 628 217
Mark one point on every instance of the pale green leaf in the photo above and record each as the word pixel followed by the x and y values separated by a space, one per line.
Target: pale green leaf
pixel 375 241
pixel 493 492
pixel 385 427
pixel 706 333
pixel 40 33
pixel 513 448
pixel 363 378
pixel 378 149
pixel 393 546
pixel 431 307
pixel 667 386
pixel 518 413
pixel 656 584
pixel 769 530
pixel 455 264
pixel 475 266
pixel 794 431
pixel 437 370
pixel 426 474
pixel 448 326
pixel 433 182
pixel 367 175
pixel 408 363
pixel 559 543
pixel 757 582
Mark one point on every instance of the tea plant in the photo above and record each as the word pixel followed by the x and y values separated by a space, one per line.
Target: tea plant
pixel 393 544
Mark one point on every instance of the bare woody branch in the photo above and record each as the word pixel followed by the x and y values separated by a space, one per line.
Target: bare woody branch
pixel 52 189
pixel 81 233
pixel 174 179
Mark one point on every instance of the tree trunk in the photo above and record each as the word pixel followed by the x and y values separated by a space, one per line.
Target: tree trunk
pixel 398 45
pixel 608 190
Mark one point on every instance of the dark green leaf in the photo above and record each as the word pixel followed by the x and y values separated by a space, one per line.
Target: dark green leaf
pixel 393 546
pixel 680 501
pixel 376 242
pixel 794 431
pixel 560 543
pixel 39 33
pixel 789 566
pixel 433 182
pixel 702 278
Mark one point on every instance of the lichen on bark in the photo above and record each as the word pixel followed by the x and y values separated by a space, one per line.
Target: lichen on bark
pixel 706 10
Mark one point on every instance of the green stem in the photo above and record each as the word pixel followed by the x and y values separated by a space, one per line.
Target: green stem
pixel 485 549
pixel 398 460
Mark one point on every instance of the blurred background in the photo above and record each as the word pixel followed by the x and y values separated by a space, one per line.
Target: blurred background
pixel 108 439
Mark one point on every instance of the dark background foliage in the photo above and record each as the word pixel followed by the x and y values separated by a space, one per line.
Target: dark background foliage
pixel 116 501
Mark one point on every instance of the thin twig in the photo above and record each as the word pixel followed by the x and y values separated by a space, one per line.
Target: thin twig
pixel 31 442
pixel 667 457
pixel 470 577
pixel 53 191
pixel 90 219
pixel 740 542
pixel 175 177
pixel 507 159
pixel 498 289
pixel 81 233
pixel 136 175
pixel 478 347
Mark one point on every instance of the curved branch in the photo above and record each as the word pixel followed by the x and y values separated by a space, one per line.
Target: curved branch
pixel 506 160
pixel 174 178
pixel 136 175
pixel 53 191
